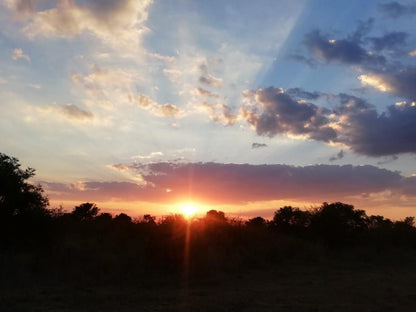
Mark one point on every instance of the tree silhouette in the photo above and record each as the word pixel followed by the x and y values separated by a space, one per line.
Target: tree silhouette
pixel 85 211
pixel 215 216
pixel 291 219
pixel 17 196
pixel 339 223
pixel 257 222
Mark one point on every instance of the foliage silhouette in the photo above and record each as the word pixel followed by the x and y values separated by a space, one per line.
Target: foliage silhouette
pixel 17 196
pixel 338 223
pixel 85 211
pixel 289 219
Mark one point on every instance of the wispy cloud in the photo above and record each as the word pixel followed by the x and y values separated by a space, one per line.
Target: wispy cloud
pixel 18 54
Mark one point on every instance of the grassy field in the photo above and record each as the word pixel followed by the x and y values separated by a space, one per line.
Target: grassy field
pixel 336 284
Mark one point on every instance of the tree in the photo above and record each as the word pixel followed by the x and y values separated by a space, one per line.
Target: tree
pixel 215 216
pixel 257 222
pixel 85 211
pixel 290 218
pixel 338 222
pixel 122 218
pixel 17 196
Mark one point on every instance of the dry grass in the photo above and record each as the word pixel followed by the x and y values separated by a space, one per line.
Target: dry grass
pixel 331 285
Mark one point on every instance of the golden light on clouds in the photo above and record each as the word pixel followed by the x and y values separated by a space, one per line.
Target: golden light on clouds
pixel 376 82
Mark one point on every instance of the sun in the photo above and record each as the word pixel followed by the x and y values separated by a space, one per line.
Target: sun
pixel 189 209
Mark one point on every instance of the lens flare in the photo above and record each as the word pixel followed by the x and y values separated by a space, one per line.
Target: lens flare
pixel 189 210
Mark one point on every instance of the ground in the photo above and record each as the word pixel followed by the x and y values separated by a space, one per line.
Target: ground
pixel 330 285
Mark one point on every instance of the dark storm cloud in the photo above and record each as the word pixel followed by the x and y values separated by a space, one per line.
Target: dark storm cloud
pixel 395 9
pixel 379 59
pixel 239 183
pixel 347 50
pixel 354 122
pixel 367 132
pixel 390 41
pixel 282 114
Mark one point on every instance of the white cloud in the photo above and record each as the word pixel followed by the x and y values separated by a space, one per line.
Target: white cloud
pixel 159 110
pixel 119 24
pixel 18 54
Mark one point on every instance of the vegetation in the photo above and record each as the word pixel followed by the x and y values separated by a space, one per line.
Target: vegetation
pixel 86 247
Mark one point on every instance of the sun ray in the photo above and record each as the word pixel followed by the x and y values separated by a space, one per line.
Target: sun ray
pixel 189 209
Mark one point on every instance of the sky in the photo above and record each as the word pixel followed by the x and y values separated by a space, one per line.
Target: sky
pixel 239 106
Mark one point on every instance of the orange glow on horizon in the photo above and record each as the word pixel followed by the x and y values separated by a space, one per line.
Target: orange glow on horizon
pixel 189 210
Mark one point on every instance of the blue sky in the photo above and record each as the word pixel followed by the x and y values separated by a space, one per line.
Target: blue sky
pixel 109 97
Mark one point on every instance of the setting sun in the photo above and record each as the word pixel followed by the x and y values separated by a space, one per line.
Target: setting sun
pixel 189 209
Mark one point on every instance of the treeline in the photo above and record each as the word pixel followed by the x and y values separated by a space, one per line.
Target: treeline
pixel 86 243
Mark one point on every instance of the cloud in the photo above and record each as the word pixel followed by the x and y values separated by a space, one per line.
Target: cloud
pixel 381 68
pixel 302 94
pixel 354 123
pixel 166 110
pixel 119 24
pixel 72 111
pixel 93 191
pixel 69 111
pixel 105 83
pixel 391 41
pixel 367 132
pixel 400 82
pixel 214 183
pixel 273 111
pixel 160 110
pixel 22 9
pixel 172 74
pixel 395 9
pixel 338 156
pixel 18 54
pixel 218 112
pixel 149 156
pixel 258 145
pixel 211 80
pixel 205 93
pixel 207 78
pixel 348 50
